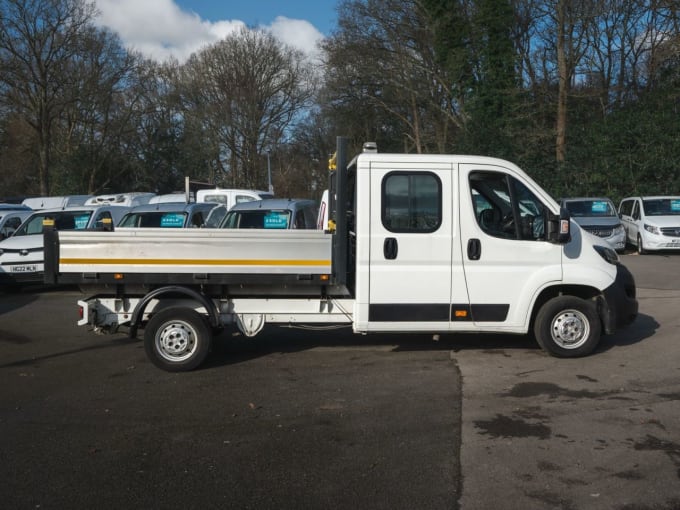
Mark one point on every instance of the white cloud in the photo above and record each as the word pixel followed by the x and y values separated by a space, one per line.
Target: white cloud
pixel 160 30
pixel 298 33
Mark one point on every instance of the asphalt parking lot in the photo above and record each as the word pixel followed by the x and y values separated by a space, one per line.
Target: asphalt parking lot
pixel 296 419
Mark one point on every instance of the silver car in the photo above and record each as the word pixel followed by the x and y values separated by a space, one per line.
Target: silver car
pixel 598 216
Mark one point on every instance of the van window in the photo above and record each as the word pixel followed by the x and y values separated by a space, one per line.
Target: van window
pixel 244 198
pixel 411 202
pixel 219 198
pixel 154 220
pixel 636 210
pixel 197 219
pixel 626 208
pixel 504 207
pixel 661 207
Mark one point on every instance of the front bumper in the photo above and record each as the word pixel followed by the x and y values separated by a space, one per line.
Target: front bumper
pixel 618 304
pixel 659 242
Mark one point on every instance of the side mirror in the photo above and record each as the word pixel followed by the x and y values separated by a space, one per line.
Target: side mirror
pixel 558 227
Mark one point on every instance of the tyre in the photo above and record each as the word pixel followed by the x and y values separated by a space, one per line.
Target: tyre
pixel 568 327
pixel 177 339
pixel 640 248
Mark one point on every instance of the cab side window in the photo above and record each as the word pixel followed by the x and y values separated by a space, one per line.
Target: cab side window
pixel 506 208
pixel 411 202
pixel 197 220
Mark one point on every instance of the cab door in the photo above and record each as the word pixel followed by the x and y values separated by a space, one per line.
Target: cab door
pixel 507 259
pixel 410 255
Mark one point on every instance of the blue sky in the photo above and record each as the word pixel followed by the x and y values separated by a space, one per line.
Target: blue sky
pixel 320 13
pixel 174 29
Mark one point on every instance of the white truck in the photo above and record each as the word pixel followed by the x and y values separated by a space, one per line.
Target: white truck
pixel 418 243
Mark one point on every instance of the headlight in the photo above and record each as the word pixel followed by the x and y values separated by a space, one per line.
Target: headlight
pixel 618 229
pixel 653 229
pixel 607 254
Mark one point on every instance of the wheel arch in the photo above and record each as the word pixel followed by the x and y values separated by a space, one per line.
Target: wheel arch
pixel 581 291
pixel 174 290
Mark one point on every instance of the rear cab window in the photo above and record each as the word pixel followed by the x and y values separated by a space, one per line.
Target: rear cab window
pixel 411 202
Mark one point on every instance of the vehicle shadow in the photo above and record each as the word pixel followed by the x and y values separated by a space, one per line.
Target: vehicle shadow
pixel 643 327
pixel 231 347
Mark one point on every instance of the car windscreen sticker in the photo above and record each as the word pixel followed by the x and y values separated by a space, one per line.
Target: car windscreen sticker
pixel 675 205
pixel 599 207
pixel 81 221
pixel 172 220
pixel 274 219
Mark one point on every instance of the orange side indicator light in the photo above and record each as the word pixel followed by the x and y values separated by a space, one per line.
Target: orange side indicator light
pixel 118 276
pixel 460 313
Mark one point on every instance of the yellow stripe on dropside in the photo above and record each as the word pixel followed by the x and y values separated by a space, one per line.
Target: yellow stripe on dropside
pixel 194 262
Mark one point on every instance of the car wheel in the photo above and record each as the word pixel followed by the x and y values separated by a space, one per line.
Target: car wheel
pixel 640 247
pixel 568 327
pixel 177 339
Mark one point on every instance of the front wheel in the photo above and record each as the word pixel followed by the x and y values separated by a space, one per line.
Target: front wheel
pixel 640 248
pixel 568 327
pixel 177 339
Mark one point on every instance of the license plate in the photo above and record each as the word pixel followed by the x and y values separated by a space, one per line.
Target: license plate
pixel 26 268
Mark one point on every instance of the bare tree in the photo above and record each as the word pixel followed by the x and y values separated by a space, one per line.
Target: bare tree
pixel 383 58
pixel 246 91
pixel 39 39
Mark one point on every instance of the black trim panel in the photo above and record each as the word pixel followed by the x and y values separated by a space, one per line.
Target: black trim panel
pixel 490 313
pixel 437 312
pixel 426 312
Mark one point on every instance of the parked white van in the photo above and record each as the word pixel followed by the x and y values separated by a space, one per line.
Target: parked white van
pixel 651 223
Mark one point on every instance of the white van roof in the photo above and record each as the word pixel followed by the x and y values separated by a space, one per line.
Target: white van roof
pixel 179 197
pixel 231 197
pixel 130 199
pixel 58 201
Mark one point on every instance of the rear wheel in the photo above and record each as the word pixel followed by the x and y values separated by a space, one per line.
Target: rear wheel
pixel 177 339
pixel 640 247
pixel 568 327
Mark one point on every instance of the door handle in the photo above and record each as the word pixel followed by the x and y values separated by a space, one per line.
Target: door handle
pixel 390 248
pixel 474 249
